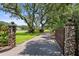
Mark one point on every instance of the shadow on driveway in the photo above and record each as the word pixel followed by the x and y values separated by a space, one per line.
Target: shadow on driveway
pixel 42 47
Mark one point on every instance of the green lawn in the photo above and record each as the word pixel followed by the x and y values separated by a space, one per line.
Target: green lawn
pixel 22 36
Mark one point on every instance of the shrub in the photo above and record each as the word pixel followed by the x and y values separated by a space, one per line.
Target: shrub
pixel 3 35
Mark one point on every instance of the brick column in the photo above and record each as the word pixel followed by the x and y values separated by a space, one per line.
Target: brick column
pixel 70 42
pixel 12 35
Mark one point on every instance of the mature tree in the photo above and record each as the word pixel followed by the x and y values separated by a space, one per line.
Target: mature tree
pixel 21 11
pixel 31 11
pixel 41 15
pixel 59 15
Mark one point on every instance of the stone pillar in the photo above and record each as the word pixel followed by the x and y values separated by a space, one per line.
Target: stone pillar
pixel 70 42
pixel 12 35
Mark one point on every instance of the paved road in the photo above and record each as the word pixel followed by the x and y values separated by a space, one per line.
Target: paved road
pixel 41 45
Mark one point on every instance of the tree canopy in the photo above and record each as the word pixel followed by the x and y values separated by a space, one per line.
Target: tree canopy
pixel 41 15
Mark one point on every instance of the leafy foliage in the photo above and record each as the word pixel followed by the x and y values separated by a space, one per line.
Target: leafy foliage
pixel 3 35
pixel 43 14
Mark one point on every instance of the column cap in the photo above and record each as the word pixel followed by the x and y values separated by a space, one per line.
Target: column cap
pixel 70 23
pixel 12 24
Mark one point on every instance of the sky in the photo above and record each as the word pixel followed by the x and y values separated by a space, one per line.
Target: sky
pixel 6 17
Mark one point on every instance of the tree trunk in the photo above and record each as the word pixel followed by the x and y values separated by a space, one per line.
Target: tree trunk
pixel 42 29
pixel 31 30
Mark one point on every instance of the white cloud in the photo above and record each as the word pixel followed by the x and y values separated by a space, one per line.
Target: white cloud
pixel 18 22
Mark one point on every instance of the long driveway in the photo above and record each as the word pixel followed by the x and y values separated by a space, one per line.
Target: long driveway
pixel 41 45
